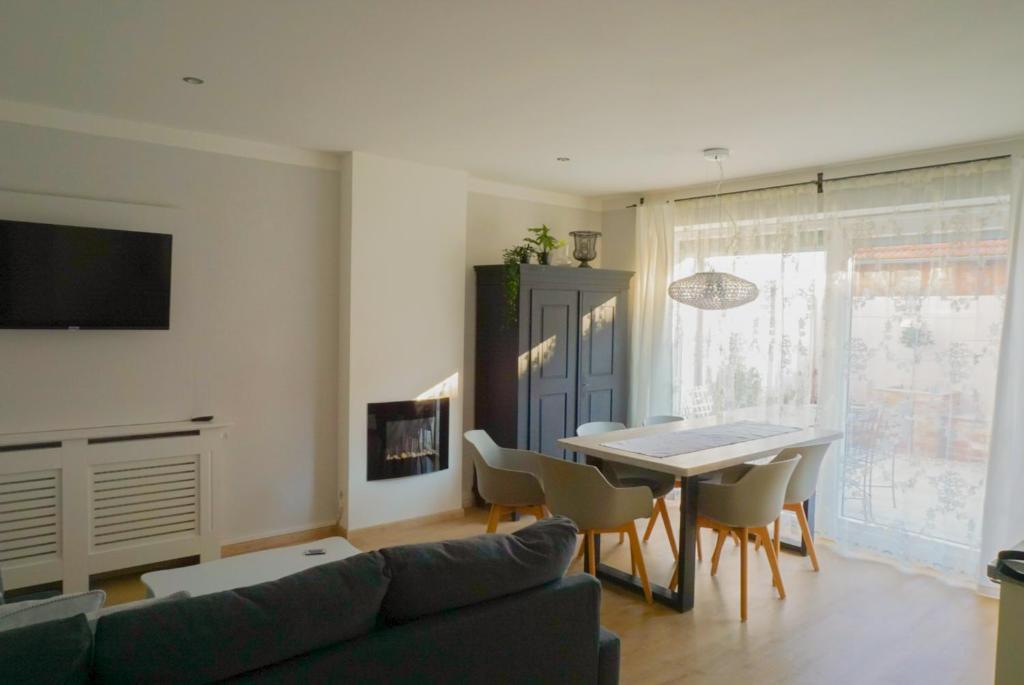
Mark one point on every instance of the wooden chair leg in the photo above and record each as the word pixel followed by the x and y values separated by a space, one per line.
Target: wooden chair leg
pixel 805 531
pixel 717 554
pixel 622 538
pixel 743 574
pixel 634 542
pixel 592 565
pixel 673 582
pixel 493 517
pixel 662 508
pixel 538 512
pixel 652 521
pixel 700 552
pixel 776 540
pixel 773 561
pixel 582 550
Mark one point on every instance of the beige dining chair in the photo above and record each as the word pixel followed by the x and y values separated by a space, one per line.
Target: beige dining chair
pixel 746 507
pixel 581 493
pixel 624 475
pixel 507 479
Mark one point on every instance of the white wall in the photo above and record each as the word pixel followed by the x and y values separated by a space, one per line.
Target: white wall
pixel 619 228
pixel 406 298
pixel 254 318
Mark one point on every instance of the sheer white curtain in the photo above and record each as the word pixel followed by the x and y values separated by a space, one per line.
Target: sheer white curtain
pixel 915 307
pixel 1003 522
pixel 763 354
pixel 881 311
pixel 650 351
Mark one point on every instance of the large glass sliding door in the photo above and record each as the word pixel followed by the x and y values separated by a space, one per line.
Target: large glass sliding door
pixel 880 313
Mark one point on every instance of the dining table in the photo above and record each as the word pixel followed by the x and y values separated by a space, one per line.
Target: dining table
pixel 695 462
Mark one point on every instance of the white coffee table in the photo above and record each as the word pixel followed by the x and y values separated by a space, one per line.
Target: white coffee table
pixel 245 569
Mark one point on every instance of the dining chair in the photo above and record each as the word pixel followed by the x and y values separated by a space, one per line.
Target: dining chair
pixel 624 475
pixel 581 493
pixel 507 479
pixel 802 485
pixel 746 507
pixel 662 418
pixel 801 488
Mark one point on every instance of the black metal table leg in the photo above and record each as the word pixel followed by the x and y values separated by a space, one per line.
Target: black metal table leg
pixel 687 544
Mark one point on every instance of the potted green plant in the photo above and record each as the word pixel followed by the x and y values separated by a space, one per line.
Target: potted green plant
pixel 543 243
pixel 511 259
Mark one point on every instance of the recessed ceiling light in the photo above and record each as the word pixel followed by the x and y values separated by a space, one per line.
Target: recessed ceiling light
pixel 562 159
pixel 193 80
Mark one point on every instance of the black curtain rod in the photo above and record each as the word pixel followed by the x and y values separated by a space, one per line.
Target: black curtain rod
pixel 820 180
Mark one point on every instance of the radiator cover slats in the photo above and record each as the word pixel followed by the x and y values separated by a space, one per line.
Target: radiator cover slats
pixel 29 516
pixel 142 501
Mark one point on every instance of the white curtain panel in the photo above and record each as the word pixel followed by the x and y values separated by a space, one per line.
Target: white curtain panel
pixel 763 353
pixel 880 313
pixel 917 290
pixel 650 351
pixel 1003 522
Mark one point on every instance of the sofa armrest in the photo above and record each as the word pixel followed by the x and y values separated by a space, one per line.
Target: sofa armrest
pixel 607 658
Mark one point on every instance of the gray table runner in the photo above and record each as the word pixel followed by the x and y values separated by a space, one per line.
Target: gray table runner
pixel 663 445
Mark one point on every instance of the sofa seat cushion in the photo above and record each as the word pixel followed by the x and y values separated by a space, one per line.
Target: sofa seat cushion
pixel 52 652
pixel 216 636
pixel 433 577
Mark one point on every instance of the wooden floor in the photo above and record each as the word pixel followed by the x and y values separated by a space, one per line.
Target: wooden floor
pixel 856 622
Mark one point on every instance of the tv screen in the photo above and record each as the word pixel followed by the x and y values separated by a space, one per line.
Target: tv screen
pixel 74 277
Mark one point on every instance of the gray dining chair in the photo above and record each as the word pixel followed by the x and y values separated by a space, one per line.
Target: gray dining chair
pixel 662 418
pixel 507 479
pixel 624 475
pixel 802 486
pixel 581 493
pixel 746 507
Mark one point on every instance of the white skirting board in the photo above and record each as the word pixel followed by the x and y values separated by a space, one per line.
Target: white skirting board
pixel 92 500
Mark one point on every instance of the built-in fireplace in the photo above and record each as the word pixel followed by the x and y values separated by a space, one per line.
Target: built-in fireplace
pixel 406 438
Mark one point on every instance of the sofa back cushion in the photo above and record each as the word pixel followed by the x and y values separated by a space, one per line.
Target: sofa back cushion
pixel 52 652
pixel 20 614
pixel 212 637
pixel 433 577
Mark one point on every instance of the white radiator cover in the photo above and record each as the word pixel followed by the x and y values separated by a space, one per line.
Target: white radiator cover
pixel 80 502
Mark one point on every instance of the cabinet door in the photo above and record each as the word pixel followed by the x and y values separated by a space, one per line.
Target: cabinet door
pixel 603 357
pixel 554 326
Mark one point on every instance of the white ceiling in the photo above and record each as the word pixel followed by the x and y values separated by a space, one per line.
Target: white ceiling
pixel 631 91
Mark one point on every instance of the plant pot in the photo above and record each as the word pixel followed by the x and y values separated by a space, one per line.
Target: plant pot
pixel 544 258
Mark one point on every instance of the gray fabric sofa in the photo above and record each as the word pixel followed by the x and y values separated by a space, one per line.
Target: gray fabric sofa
pixel 494 608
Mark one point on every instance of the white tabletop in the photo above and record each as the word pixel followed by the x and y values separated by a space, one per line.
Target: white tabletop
pixel 716 458
pixel 245 569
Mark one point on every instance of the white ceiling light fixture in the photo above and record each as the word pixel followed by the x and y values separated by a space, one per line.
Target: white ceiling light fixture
pixel 714 289
pixel 193 80
pixel 561 159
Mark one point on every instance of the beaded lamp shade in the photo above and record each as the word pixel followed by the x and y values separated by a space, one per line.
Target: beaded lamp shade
pixel 713 290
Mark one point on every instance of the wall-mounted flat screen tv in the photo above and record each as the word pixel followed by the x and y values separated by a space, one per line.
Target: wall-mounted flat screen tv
pixel 80 278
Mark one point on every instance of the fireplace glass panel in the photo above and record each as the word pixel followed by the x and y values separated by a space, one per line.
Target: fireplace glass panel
pixel 406 438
